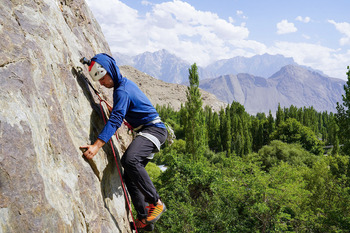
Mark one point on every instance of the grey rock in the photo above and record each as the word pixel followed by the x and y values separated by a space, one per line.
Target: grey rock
pixel 46 114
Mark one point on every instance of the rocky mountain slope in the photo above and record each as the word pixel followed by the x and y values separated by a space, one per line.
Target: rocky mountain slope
pixel 259 65
pixel 162 93
pixel 170 68
pixel 292 85
pixel 162 65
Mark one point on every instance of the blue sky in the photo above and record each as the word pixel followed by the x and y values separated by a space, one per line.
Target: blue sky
pixel 314 33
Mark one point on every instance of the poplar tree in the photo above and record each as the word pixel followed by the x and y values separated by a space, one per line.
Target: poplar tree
pixel 247 139
pixel 279 115
pixel 213 128
pixel 225 131
pixel 270 128
pixel 195 130
pixel 257 134
pixel 343 116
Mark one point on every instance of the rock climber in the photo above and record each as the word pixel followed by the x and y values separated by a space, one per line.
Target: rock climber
pixel 131 104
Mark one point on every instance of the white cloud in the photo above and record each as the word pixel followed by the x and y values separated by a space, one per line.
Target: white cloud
pixel 306 37
pixel 231 20
pixel 200 36
pixel 284 27
pixel 343 28
pixel 120 25
pixel 304 20
pixel 146 3
pixel 240 14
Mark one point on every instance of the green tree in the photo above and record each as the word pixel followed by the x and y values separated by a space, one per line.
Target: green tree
pixel 279 115
pixel 225 131
pixel 343 117
pixel 257 134
pixel 333 138
pixel 269 128
pixel 292 131
pixel 330 199
pixel 277 152
pixel 300 115
pixel 213 128
pixel 241 135
pixel 247 148
pixel 278 200
pixel 195 129
pixel 153 171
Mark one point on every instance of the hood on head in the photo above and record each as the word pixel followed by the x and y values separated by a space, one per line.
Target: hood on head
pixel 110 65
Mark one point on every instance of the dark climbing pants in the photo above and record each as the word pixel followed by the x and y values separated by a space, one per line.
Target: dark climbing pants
pixel 134 161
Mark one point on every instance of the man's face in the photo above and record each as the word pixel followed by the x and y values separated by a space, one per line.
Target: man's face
pixel 107 81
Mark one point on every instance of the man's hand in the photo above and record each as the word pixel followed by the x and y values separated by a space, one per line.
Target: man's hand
pixel 91 150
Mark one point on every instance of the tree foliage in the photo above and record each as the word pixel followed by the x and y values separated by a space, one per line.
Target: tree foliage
pixel 343 116
pixel 277 152
pixel 299 193
pixel 244 173
pixel 292 131
pixel 195 130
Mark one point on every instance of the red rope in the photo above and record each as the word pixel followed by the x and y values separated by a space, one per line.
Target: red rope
pixel 116 161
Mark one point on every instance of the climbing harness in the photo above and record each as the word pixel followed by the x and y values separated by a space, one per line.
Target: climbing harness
pixel 171 135
pixel 154 121
pixel 109 107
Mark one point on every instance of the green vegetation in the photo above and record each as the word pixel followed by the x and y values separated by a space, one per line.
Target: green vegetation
pixel 234 172
pixel 193 117
pixel 343 116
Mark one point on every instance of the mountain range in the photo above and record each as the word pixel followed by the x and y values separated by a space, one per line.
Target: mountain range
pixel 291 85
pixel 162 65
pixel 259 83
pixel 170 68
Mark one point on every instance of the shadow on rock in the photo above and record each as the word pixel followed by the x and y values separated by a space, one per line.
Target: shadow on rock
pixel 81 79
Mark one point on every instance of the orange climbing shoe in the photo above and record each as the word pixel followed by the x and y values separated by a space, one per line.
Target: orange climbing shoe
pixel 143 227
pixel 154 212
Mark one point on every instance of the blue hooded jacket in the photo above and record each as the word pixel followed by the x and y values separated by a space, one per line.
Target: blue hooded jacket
pixel 129 102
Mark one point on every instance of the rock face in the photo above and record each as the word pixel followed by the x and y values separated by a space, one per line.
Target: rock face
pixel 46 113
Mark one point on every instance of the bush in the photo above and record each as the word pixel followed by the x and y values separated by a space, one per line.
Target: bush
pixel 293 154
pixel 292 131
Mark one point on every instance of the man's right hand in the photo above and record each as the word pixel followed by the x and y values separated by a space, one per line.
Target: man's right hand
pixel 91 150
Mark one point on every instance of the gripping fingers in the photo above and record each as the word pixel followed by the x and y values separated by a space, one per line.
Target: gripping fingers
pixel 83 149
